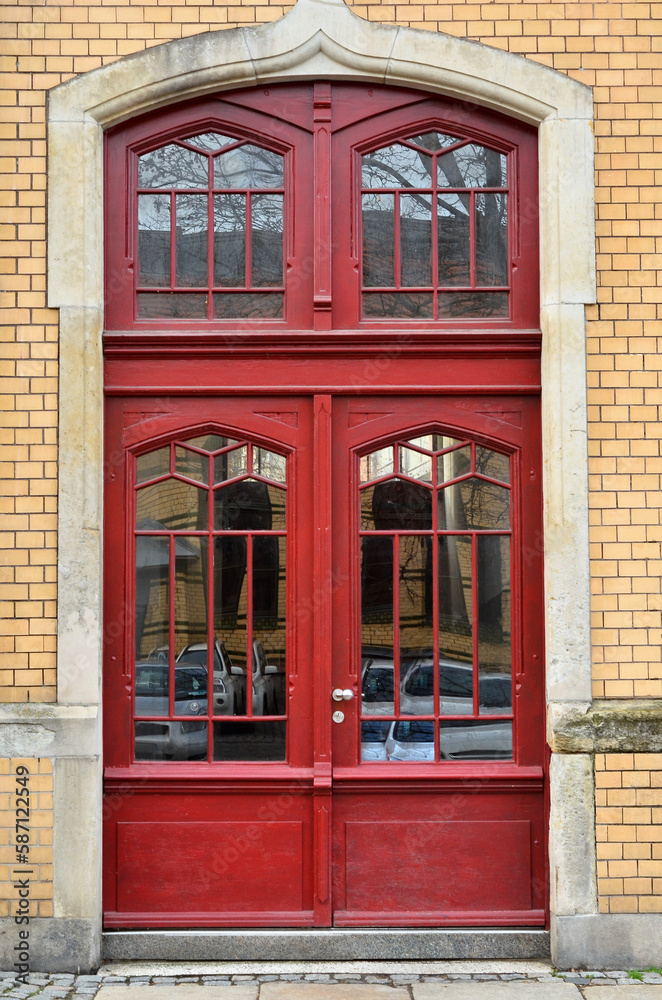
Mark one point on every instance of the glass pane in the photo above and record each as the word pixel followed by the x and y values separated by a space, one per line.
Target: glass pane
pixel 433 442
pixel 269 667
pixel 415 465
pixel 472 166
pixel 377 692
pixel 190 464
pixel 373 740
pixel 401 305
pixel 172 167
pixel 211 442
pixel 231 464
pixel 255 305
pixel 154 239
pixel 156 463
pixel 191 597
pixel 492 464
pixel 267 240
pixel 184 739
pixel 191 240
pixel 210 141
pixel 434 141
pixel 230 240
pixel 269 464
pixel 455 624
pixel 411 740
pixel 417 685
pixel 152 597
pixel 453 464
pixel 230 625
pixel 249 741
pixel 481 305
pixel 476 739
pixel 378 240
pixel 396 167
pixel 473 503
pixel 248 167
pixel 377 600
pixel 396 505
pixel 453 239
pixel 171 305
pixel 491 239
pixel 494 630
pixel 416 634
pixel 377 464
pixel 416 239
pixel 171 505
pixel 249 505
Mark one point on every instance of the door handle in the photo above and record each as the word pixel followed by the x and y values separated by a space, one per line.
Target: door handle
pixel 338 694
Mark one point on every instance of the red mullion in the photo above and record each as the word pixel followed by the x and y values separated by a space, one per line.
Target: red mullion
pixel 173 238
pixel 397 263
pixel 210 248
pixel 435 246
pixel 211 603
pixel 436 670
pixel 249 624
pixel 396 625
pixel 472 238
pixel 248 276
pixel 474 620
pixel 171 626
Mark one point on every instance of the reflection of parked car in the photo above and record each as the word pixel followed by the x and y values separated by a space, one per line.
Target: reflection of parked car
pixel 455 690
pixel 373 740
pixel 229 681
pixel 268 683
pixel 413 739
pixel 377 686
pixel 176 740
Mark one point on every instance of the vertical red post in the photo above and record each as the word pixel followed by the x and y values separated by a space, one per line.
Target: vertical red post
pixel 322 240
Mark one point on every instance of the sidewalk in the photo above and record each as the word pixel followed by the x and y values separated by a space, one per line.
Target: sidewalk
pixel 459 980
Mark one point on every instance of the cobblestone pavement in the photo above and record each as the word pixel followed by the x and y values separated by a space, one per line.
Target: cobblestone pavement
pixel 317 981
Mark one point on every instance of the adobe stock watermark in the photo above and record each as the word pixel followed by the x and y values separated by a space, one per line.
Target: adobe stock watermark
pixel 22 872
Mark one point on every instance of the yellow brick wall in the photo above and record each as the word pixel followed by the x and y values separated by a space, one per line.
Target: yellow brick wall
pixel 629 832
pixel 39 871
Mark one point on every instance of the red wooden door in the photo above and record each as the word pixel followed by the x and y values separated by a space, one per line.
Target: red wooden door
pixel 323 545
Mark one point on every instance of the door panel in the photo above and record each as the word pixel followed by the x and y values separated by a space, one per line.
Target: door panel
pixel 450 829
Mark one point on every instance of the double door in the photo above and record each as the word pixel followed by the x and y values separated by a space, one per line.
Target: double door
pixel 323 668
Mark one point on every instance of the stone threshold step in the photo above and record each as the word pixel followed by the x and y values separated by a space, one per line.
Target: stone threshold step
pixel 323 944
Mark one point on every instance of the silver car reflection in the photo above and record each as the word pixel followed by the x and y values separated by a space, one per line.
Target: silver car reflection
pixel 475 739
pixel 184 739
pixel 455 689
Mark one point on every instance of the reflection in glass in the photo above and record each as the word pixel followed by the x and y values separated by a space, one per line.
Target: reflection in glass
pixel 378 240
pixel 396 167
pixel 373 740
pixel 210 141
pixel 494 628
pixel 249 505
pixel 472 166
pixel 453 464
pixel 190 594
pixel 453 239
pixel 415 465
pixel 172 167
pixel 228 681
pixel 400 305
pixel 455 599
pixel 152 596
pixel 191 240
pixel 230 240
pixel 210 442
pixel 478 304
pixel 377 464
pixel 267 240
pixel 269 464
pixel 231 618
pixel 456 683
pixel 476 739
pixel 171 504
pixel 172 305
pixel 184 739
pixel 411 740
pixel 231 464
pixel 474 504
pixel 154 239
pixel 396 505
pixel 377 691
pixel 190 464
pixel 248 167
pixel 416 239
pixel 377 598
pixel 491 239
pixel 492 464
pixel 156 463
pixel 415 578
pixel 434 141
pixel 417 683
pixel 433 442
pixel 251 305
pixel 269 666
pixel 256 741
